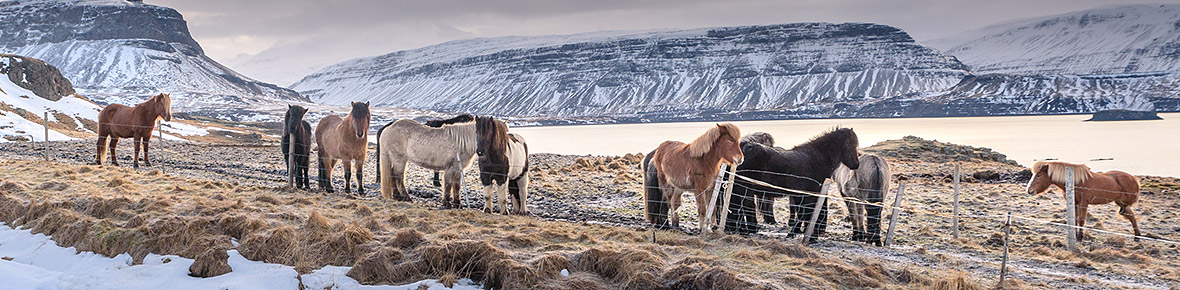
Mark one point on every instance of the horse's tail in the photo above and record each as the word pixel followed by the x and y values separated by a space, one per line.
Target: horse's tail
pixel 655 207
pixel 382 129
pixel 878 186
pixel 323 174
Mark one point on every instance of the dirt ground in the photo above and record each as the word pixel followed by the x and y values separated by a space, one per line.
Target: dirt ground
pixel 585 215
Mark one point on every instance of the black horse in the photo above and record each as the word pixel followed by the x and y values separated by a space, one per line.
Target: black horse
pixel 804 167
pixel 293 124
pixel 464 118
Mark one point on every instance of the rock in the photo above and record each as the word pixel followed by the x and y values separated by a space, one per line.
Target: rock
pixel 211 263
pixel 1124 115
pixel 35 75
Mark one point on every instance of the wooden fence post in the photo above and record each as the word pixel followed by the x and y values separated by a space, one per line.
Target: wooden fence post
pixel 896 212
pixel 291 160
pixel 46 147
pixel 727 195
pixel 955 218
pixel 159 143
pixel 1004 264
pixel 1070 220
pixel 815 212
pixel 707 224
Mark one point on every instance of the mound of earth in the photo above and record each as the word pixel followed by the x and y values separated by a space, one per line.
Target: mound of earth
pixel 912 148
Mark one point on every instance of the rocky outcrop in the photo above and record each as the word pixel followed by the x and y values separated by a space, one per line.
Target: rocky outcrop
pixel 1124 115
pixel 35 75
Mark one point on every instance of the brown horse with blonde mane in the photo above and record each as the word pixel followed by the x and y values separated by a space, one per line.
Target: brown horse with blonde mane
pixel 675 167
pixel 1089 188
pixel 344 140
pixel 119 121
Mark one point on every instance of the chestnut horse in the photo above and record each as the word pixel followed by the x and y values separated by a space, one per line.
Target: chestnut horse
pixel 1089 188
pixel 119 121
pixel 675 167
pixel 344 140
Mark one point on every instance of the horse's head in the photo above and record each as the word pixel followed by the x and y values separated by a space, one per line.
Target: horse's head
pixel 849 156
pixel 360 118
pixel 491 138
pixel 294 117
pixel 1040 180
pixel 163 106
pixel 728 143
pixel 760 138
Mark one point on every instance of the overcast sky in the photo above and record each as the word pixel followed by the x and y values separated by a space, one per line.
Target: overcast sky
pixel 281 40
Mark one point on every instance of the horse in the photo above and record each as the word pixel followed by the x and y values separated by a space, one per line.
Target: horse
pixel 344 140
pixel 868 183
pixel 450 148
pixel 119 121
pixel 464 118
pixel 293 124
pixel 1089 188
pixel 675 167
pixel 804 167
pixel 760 138
pixel 503 165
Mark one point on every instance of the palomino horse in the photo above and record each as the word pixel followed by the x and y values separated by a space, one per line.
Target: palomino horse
pixel 450 148
pixel 464 118
pixel 675 167
pixel 869 183
pixel 804 167
pixel 293 124
pixel 1089 188
pixel 119 121
pixel 503 165
pixel 344 140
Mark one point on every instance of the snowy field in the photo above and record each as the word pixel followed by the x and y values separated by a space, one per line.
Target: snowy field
pixel 33 261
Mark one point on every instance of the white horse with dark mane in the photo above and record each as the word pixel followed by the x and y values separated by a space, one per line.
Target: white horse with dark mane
pixel 450 148
pixel 868 183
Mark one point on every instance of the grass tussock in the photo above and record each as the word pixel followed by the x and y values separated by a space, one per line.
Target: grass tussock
pixel 628 268
pixel 407 239
pixel 213 262
pixel 954 281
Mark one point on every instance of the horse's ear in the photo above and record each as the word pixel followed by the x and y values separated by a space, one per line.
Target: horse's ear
pixel 366 103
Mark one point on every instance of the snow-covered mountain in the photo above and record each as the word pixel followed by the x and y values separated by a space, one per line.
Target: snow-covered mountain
pixel 116 51
pixel 1109 40
pixel 663 72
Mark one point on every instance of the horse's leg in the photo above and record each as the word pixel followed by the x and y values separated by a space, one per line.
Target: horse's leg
pixel 359 166
pixel 821 226
pixel 326 167
pixel 135 158
pixel 436 181
pixel 672 195
pixel 1125 211
pixel 111 146
pixel 503 196
pixel 489 191
pixel 146 161
pixel 797 209
pixel 399 180
pixel 347 165
pixel 766 206
pixel 384 177
pixel 102 144
pixel 873 225
pixel 520 191
pixel 851 218
pixel 856 211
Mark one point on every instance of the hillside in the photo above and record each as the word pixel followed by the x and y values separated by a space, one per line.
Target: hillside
pixel 665 74
pixel 115 51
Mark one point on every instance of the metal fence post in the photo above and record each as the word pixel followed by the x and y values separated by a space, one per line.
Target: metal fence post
pixel 955 218
pixel 896 212
pixel 815 212
pixel 1070 215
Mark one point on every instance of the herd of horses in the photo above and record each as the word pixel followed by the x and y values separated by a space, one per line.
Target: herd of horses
pixel 450 146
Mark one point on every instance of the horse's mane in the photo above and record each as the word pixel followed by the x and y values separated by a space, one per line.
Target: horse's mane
pixel 464 134
pixel 496 130
pixel 826 139
pixel 704 143
pixel 457 119
pixel 1056 171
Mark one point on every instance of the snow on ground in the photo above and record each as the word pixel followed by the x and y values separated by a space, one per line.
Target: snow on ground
pixel 33 261
pixel 17 97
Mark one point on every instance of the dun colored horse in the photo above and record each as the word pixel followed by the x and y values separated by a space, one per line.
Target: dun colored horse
pixel 119 121
pixel 344 140
pixel 503 165
pixel 464 118
pixel 675 167
pixel 804 167
pixel 293 124
pixel 450 148
pixel 868 183
pixel 1089 188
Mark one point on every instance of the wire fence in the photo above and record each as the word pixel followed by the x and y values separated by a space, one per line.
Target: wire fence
pixel 720 211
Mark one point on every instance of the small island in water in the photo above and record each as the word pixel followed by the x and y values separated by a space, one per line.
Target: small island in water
pixel 1124 115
